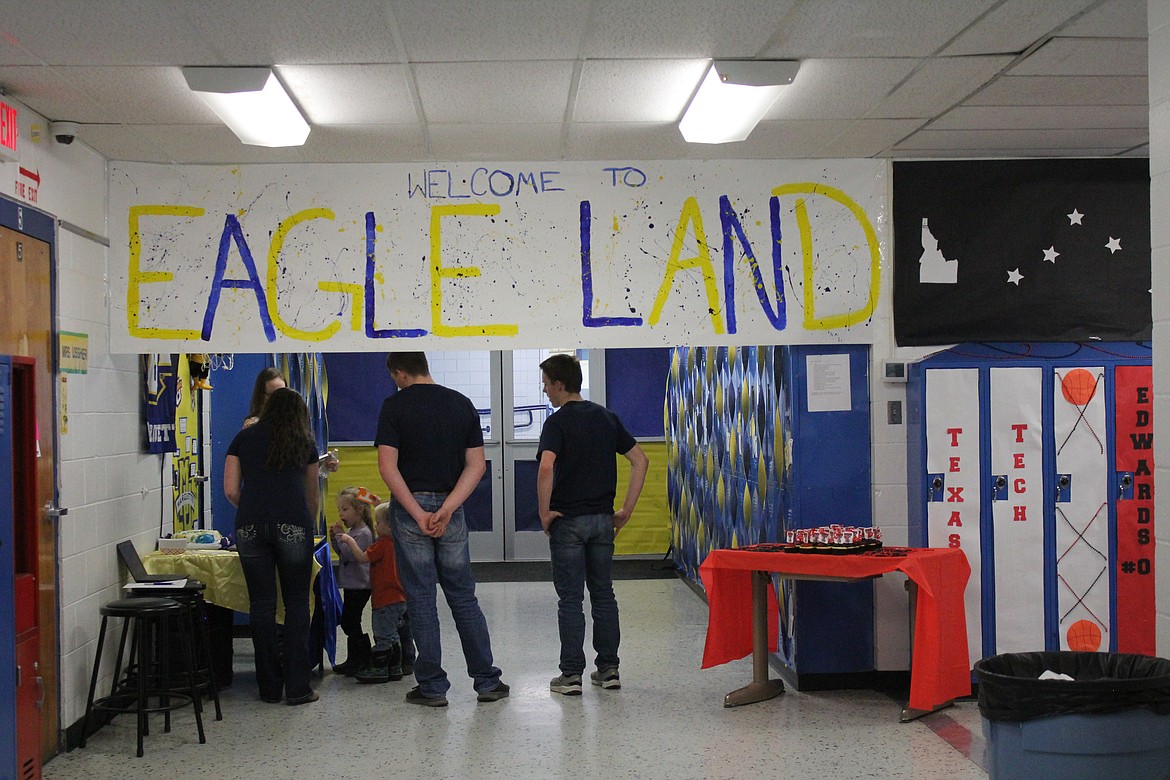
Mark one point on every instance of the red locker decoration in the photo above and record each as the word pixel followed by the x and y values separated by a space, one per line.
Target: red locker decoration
pixel 1134 406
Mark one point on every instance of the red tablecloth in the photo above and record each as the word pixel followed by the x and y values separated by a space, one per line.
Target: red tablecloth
pixel 941 670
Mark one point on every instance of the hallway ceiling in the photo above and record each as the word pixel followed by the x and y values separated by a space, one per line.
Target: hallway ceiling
pixel 461 80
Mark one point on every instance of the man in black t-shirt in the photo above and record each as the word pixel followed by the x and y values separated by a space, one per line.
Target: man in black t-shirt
pixel 576 484
pixel 430 454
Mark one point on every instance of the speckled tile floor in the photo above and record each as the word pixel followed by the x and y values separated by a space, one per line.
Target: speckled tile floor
pixel 667 721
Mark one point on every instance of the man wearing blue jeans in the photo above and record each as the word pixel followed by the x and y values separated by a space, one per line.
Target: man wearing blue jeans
pixel 430 454
pixel 576 485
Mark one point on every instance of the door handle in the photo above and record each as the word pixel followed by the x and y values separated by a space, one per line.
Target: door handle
pixel 200 479
pixel 55 511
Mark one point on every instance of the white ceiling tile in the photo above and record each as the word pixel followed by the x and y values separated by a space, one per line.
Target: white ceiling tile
pixel 938 85
pixel 1064 91
pixel 1015 25
pixel 1043 117
pixel 1073 142
pixel 105 32
pixel 682 28
pixel 868 138
pixel 12 51
pixel 122 142
pixel 43 90
pixel 286 32
pixel 787 139
pixel 366 143
pixel 494 92
pixel 1113 18
pixel 1086 57
pixel 148 94
pixel 212 144
pixel 891 28
pixel 636 90
pixel 625 141
pixel 446 30
pixel 839 88
pixel 351 94
pixel 496 142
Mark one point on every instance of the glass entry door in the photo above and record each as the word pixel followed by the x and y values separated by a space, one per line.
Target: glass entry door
pixel 502 518
pixel 524 538
pixel 476 374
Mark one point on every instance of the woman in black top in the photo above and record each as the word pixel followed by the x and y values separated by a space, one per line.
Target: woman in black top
pixel 271 476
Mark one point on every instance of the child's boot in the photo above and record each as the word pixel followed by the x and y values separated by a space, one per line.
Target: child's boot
pixel 394 663
pixel 377 671
pixel 357 655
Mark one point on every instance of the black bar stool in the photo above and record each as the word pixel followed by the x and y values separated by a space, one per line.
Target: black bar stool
pixel 151 619
pixel 190 597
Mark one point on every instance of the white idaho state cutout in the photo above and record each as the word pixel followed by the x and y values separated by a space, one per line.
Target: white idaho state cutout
pixel 933 267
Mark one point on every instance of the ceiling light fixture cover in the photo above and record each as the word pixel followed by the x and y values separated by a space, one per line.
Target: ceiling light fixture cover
pixel 734 96
pixel 252 102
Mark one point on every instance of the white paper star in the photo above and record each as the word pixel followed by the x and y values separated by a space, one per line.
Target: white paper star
pixel 1014 277
pixel 1114 245
pixel 1050 255
pixel 1075 217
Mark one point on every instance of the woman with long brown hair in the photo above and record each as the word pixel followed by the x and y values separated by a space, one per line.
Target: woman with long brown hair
pixel 270 475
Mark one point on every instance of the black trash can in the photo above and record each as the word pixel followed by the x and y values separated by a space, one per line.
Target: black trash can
pixel 1110 720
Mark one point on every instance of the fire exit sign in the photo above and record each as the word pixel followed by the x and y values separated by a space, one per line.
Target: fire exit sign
pixel 8 130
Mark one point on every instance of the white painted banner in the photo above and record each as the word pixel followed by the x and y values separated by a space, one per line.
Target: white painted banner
pixel 1082 505
pixel 952 451
pixel 327 258
pixel 1017 507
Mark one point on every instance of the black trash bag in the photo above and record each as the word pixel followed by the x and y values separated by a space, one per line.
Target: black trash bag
pixel 1010 688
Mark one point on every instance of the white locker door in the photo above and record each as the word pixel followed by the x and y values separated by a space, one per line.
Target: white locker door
pixel 1017 507
pixel 952 455
pixel 1082 506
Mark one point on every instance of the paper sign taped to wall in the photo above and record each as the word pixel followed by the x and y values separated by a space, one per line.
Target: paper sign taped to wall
pixel 829 387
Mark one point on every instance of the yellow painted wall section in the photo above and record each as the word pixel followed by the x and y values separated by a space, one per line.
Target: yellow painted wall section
pixel 648 532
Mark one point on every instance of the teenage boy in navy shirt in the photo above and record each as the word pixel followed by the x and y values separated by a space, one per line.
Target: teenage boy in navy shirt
pixel 576 485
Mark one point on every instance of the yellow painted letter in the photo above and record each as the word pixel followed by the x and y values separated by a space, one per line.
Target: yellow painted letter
pixel 136 277
pixel 702 261
pixel 833 321
pixel 274 250
pixel 439 273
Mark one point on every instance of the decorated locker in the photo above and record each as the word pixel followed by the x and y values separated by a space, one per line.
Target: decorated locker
pixel 1037 461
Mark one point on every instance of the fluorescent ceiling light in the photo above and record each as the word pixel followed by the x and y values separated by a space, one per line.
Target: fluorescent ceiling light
pixel 734 96
pixel 252 102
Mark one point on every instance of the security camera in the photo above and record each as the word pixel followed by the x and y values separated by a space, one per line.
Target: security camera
pixel 64 132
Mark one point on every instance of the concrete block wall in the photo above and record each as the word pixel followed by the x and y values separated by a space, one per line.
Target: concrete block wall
pixel 1159 69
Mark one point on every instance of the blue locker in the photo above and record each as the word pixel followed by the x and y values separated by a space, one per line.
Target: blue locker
pixel 749 459
pixel 829 482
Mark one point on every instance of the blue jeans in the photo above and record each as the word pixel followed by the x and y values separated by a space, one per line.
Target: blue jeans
pixel 423 563
pixel 385 622
pixel 268 551
pixel 582 555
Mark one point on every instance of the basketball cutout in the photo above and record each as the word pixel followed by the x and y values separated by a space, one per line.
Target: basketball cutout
pixel 1084 636
pixel 1078 386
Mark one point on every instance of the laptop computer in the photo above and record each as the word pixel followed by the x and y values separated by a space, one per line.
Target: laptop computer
pixel 129 556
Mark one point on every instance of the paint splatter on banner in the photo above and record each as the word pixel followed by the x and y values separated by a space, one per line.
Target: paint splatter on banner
pixel 1021 250
pixel 342 258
